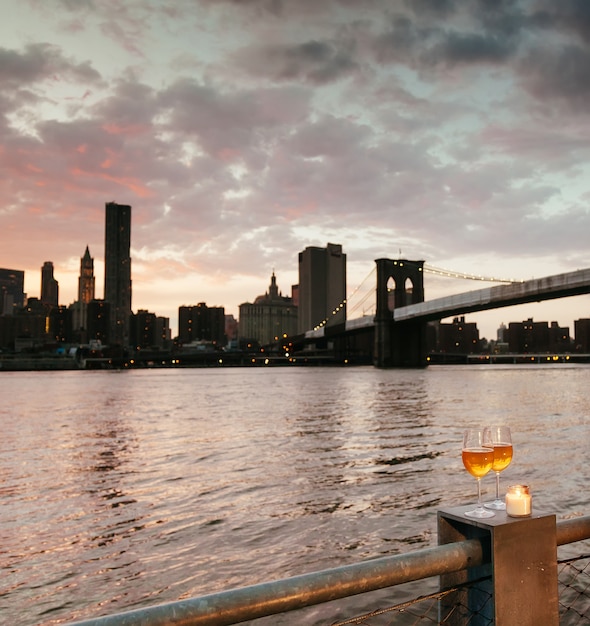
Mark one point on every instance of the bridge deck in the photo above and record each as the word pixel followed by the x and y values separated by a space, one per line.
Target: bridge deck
pixel 548 288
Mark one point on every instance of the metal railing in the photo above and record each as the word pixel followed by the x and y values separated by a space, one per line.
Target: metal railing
pixel 281 596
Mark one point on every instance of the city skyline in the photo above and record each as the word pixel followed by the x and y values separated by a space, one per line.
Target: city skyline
pixel 87 261
pixel 241 133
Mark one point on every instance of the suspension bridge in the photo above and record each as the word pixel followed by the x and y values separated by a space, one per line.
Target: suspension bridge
pixel 398 312
pixel 361 302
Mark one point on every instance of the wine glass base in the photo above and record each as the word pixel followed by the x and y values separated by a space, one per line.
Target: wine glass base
pixel 496 505
pixel 479 513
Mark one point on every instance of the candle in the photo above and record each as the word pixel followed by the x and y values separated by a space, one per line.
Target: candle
pixel 518 501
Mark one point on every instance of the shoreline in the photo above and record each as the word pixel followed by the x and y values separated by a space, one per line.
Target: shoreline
pixel 14 363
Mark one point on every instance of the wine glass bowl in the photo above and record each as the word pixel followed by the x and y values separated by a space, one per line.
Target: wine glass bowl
pixel 478 458
pixel 478 462
pixel 501 439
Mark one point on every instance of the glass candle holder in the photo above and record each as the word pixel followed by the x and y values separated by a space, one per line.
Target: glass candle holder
pixel 519 502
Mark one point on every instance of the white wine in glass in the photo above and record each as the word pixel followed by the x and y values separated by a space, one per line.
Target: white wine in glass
pixel 502 444
pixel 478 458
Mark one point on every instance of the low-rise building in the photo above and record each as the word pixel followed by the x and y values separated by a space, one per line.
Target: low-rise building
pixel 201 323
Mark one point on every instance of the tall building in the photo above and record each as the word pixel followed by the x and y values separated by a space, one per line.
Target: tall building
pixel 86 279
pixel 12 295
pixel 582 334
pixel 269 318
pixel 86 283
pixel 322 287
pixel 49 286
pixel 117 270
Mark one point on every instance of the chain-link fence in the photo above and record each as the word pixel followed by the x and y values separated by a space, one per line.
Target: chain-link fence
pixel 574 591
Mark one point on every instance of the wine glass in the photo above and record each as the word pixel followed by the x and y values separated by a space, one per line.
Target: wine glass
pixel 502 444
pixel 478 457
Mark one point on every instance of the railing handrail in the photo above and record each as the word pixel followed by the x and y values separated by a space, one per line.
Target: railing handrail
pixel 572 530
pixel 238 605
pixel 245 603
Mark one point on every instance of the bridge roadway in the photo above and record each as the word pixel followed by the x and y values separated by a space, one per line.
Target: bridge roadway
pixel 535 290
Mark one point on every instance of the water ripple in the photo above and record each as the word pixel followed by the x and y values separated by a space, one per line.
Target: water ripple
pixel 174 483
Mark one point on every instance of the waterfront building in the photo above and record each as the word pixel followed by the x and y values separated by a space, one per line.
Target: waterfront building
pixel 530 336
pixel 163 333
pixel 231 330
pixel 201 323
pixel 269 318
pixel 7 333
pixel 459 337
pixel 49 286
pixel 31 326
pixel 582 335
pixel 98 321
pixel 117 270
pixel 58 324
pixel 322 287
pixel 559 338
pixel 295 295
pixel 147 330
pixel 12 295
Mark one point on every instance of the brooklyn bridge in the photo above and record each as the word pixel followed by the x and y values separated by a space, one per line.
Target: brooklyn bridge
pixel 396 335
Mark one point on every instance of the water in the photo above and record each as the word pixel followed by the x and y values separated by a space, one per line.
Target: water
pixel 128 489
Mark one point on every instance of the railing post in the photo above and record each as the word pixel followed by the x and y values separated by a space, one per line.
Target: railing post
pixel 523 565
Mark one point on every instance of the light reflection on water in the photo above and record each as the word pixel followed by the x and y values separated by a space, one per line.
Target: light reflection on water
pixel 127 489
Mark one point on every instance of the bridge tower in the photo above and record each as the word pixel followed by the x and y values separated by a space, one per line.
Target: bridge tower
pixel 399 344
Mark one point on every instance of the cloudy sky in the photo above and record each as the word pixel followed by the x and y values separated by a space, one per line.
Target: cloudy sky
pixel 242 131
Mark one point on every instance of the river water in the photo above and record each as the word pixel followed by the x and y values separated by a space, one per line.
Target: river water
pixel 126 489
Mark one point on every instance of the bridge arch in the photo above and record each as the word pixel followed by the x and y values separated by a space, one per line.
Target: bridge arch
pixel 398 345
pixel 403 273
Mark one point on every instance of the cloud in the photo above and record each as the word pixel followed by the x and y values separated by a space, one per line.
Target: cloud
pixel 228 124
pixel 41 62
pixel 561 75
pixel 314 62
pixel 241 132
pixel 569 16
pixel 470 48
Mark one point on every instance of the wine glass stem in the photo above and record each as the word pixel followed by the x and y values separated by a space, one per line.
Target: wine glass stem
pixel 479 504
pixel 497 485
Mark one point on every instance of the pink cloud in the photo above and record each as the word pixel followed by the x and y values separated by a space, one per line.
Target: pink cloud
pixel 352 126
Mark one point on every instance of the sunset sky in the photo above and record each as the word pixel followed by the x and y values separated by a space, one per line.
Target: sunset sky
pixel 243 131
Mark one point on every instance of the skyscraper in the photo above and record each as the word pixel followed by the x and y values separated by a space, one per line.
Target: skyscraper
pixel 12 295
pixel 117 270
pixel 79 308
pixel 86 278
pixel 49 286
pixel 322 287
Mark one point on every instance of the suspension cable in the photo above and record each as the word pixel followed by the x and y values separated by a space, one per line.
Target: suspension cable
pixel 427 268
pixel 452 274
pixel 337 309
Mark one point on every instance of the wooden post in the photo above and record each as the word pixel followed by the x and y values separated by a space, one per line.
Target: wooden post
pixel 523 566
